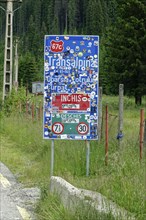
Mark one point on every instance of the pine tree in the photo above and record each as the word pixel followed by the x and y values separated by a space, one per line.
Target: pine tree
pixel 27 70
pixel 94 17
pixel 72 16
pixel 50 17
pixel 126 50
pixel 55 28
pixel 37 15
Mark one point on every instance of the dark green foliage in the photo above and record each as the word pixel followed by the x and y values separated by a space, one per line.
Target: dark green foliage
pixel 120 24
pixel 95 17
pixel 28 71
pixel 14 100
pixel 72 16
pixel 125 50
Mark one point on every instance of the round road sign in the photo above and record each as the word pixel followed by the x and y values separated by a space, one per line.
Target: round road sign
pixel 82 128
pixel 57 128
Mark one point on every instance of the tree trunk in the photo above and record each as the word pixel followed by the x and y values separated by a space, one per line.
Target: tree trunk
pixel 138 100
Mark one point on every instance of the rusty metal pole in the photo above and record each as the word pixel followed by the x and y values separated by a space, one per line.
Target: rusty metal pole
pixel 32 111
pixel 106 135
pixel 141 132
pixel 100 113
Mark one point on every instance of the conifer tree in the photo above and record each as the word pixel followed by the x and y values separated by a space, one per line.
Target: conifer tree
pixel 27 70
pixel 125 54
pixel 72 15
pixel 50 16
pixel 94 17
pixel 37 15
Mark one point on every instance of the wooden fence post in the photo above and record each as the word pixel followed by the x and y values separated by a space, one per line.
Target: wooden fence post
pixel 26 108
pixel 106 135
pixel 141 132
pixel 145 138
pixel 40 111
pixel 99 113
pixel 20 107
pixel 32 109
pixel 145 133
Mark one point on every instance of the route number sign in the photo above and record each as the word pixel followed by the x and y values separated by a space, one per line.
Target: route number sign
pixel 71 73
pixel 56 46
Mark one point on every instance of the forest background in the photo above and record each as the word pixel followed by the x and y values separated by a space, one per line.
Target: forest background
pixel 120 24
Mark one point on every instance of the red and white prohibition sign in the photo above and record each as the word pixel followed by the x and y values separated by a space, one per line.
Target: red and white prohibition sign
pixel 57 128
pixel 82 128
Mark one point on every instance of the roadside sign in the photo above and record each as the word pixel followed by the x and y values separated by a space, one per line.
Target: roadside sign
pixel 37 87
pixel 71 87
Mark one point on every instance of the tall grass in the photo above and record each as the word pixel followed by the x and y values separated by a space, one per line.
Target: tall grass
pixel 122 181
pixel 58 212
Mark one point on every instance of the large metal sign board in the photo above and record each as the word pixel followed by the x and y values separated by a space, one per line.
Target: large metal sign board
pixel 71 87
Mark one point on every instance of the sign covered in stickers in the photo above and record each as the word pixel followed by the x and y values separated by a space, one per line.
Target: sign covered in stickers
pixel 71 87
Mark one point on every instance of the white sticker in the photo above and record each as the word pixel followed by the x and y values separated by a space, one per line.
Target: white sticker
pixel 84 99
pixel 46 132
pixel 66 37
pixel 78 137
pixel 63 136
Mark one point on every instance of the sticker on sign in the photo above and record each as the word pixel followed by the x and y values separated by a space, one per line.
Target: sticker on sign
pixel 56 46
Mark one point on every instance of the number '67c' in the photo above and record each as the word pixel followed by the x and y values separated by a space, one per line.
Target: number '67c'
pixel 56 46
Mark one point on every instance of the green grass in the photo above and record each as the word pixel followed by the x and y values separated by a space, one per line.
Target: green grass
pixel 58 212
pixel 123 180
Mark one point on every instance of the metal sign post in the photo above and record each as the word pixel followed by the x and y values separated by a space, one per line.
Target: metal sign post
pixel 52 158
pixel 120 122
pixel 87 157
pixel 71 88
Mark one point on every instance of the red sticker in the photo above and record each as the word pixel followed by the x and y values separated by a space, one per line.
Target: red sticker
pixel 57 46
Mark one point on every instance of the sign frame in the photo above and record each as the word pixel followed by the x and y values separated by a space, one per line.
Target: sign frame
pixel 77 80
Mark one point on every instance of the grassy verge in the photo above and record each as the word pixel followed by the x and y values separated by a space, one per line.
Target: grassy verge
pixel 122 181
pixel 57 211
